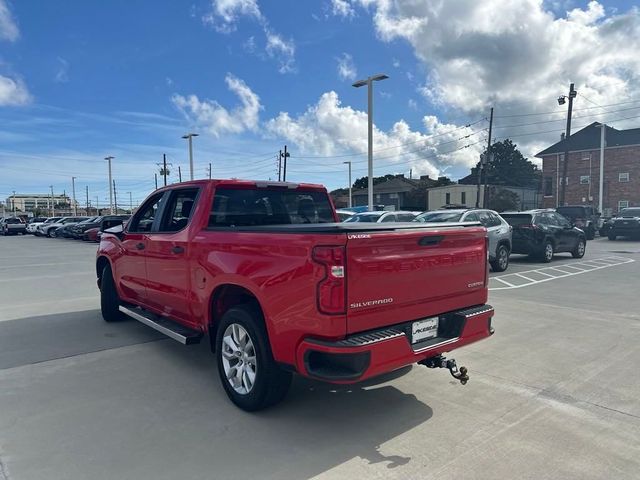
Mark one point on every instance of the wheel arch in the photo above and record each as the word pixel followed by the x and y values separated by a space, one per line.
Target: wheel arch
pixel 101 262
pixel 227 296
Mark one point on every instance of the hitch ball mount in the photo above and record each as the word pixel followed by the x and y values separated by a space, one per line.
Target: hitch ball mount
pixel 441 362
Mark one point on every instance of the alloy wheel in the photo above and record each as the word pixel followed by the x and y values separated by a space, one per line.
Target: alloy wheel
pixel 239 358
pixel 548 251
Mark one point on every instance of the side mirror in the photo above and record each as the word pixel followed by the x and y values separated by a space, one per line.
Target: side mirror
pixel 107 224
pixel 118 231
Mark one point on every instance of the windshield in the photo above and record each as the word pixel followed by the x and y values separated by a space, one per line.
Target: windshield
pixel 364 217
pixel 517 219
pixel 438 217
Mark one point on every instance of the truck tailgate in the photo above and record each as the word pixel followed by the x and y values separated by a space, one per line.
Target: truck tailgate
pixel 403 275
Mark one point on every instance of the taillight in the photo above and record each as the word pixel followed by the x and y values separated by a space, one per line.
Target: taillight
pixel 331 290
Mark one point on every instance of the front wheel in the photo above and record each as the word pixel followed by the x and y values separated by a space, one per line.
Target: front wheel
pixel 501 262
pixel 109 300
pixel 51 233
pixel 249 374
pixel 591 233
pixel 580 248
pixel 611 236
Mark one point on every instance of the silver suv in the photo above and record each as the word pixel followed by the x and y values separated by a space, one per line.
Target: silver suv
pixel 499 231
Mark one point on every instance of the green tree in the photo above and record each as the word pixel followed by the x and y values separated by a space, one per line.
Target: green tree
pixel 363 182
pixel 508 166
pixel 501 200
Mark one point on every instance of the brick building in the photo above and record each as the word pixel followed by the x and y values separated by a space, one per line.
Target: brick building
pixel 621 169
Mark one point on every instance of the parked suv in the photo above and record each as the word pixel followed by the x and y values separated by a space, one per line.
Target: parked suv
pixel 626 224
pixel 499 231
pixel 584 217
pixel 542 233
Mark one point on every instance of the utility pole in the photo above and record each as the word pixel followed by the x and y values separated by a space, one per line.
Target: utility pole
pixel 209 170
pixel 156 177
pixel 13 203
pixel 130 202
pixel 603 128
pixel 285 155
pixel 108 159
pixel 349 163
pixel 189 137
pixel 563 183
pixel 97 205
pixel 87 191
pixel 179 174
pixel 115 198
pixel 489 160
pixel 369 83
pixel 53 209
pixel 479 175
pixel 164 168
pixel 73 193
pixel 280 166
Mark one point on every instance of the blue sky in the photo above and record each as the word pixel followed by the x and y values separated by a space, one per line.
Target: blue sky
pixel 83 80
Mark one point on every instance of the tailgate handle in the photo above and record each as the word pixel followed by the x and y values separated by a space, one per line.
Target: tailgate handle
pixel 430 241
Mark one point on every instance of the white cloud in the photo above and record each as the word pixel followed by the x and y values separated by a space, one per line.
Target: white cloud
pixel 224 16
pixel 62 74
pixel 8 27
pixel 328 128
pixel 209 114
pixel 13 92
pixel 346 68
pixel 412 104
pixel 225 13
pixel 342 8
pixel 282 50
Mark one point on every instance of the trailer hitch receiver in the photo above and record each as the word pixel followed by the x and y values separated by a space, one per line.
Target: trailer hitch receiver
pixel 450 364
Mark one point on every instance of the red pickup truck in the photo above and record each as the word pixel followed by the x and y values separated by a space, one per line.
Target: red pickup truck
pixel 280 287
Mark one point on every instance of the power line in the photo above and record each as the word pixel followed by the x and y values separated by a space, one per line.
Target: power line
pixel 558 112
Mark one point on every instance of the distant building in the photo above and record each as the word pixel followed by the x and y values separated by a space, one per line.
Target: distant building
pixel 621 169
pixel 28 202
pixel 394 192
pixel 465 195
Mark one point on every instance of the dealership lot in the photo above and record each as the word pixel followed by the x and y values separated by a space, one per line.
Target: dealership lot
pixel 553 394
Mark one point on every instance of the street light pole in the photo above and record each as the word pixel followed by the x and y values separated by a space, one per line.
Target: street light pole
pixel 53 209
pixel 73 193
pixel 108 159
pixel 601 184
pixel 369 83
pixel 189 137
pixel 349 163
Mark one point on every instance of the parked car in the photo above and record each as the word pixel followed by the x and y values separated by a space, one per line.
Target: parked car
pixel 76 230
pixel 626 224
pixel 91 235
pixel 543 233
pixel 12 226
pixel 344 214
pixel 498 230
pixel 279 287
pixel 33 227
pixel 584 217
pixel 49 229
pixel 382 217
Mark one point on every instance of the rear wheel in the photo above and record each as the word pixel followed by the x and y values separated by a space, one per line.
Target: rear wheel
pixel 51 233
pixel 547 251
pixel 591 233
pixel 501 262
pixel 109 300
pixel 249 374
pixel 579 249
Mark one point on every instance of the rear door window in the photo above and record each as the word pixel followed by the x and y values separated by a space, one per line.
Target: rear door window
pixel 519 219
pixel 391 217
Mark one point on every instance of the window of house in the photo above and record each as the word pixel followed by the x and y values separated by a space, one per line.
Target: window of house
pixel 623 177
pixel 586 156
pixel 585 179
pixel 566 180
pixel 623 204
pixel 548 186
pixel 447 197
pixel 463 198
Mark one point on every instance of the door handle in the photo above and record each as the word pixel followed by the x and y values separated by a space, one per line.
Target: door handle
pixel 177 249
pixel 140 246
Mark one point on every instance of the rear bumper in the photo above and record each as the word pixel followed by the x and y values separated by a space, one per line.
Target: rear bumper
pixel 375 352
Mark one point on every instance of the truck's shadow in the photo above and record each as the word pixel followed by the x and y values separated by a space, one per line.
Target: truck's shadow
pixel 317 427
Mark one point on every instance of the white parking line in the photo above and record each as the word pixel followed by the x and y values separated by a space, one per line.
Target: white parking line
pixel 554 273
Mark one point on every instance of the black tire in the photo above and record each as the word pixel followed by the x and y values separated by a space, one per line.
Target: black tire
pixel 546 254
pixel 271 383
pixel 109 300
pixel 501 262
pixel 611 236
pixel 591 233
pixel 51 233
pixel 580 248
